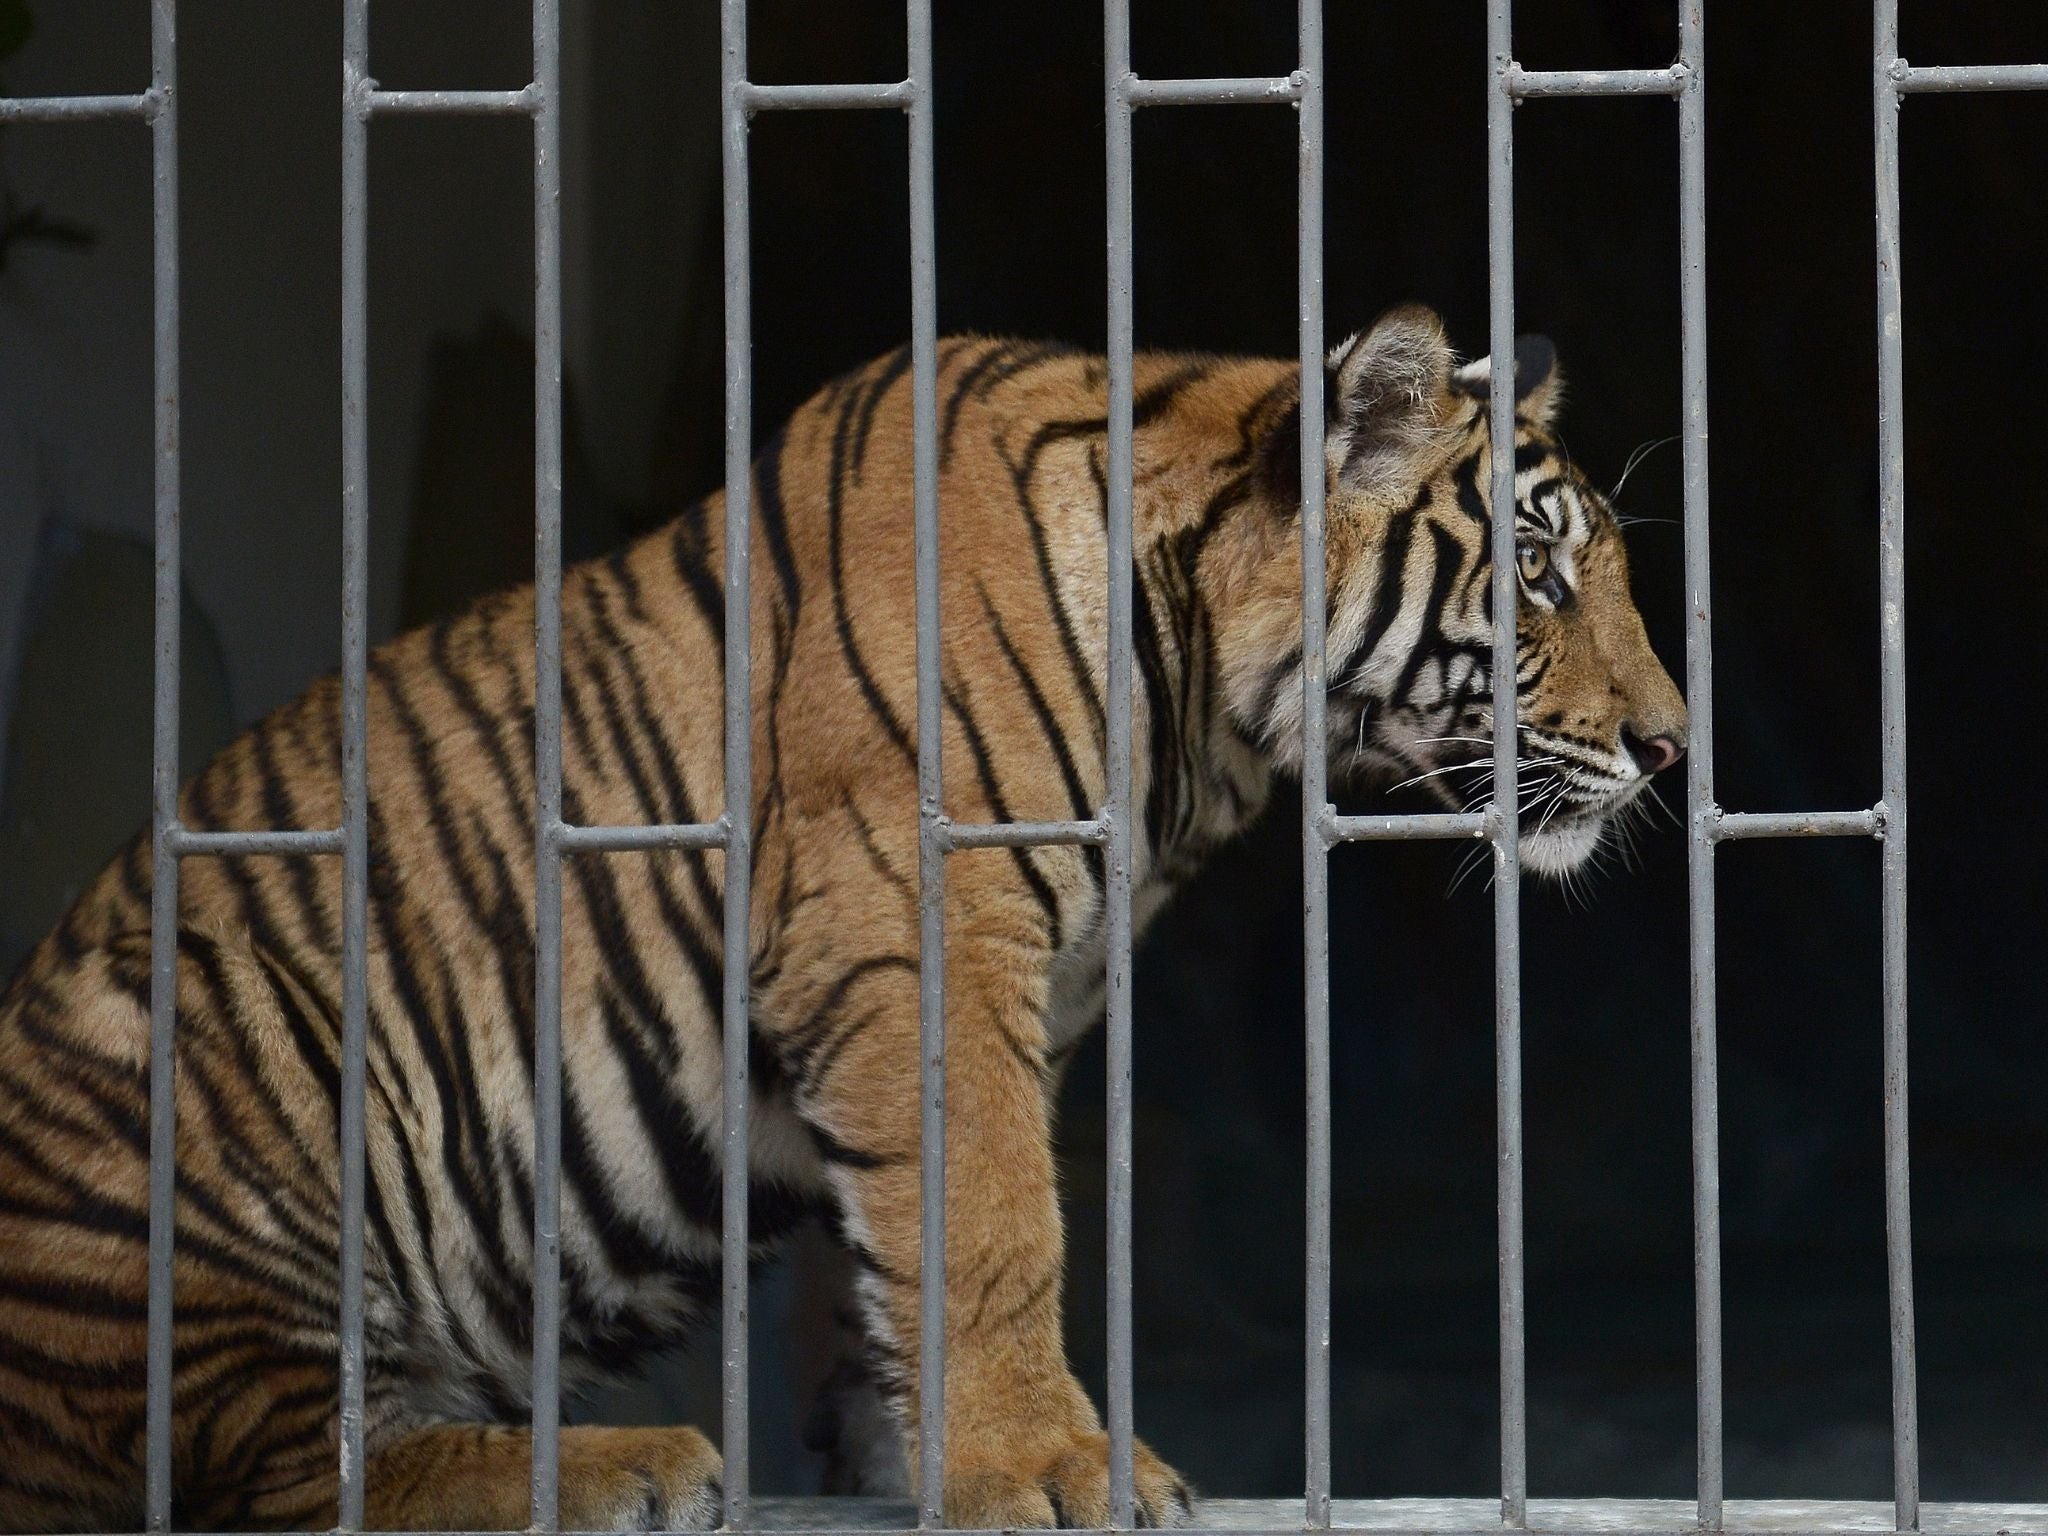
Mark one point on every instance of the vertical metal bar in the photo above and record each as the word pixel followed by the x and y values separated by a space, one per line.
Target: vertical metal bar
pixel 739 759
pixel 547 735
pixel 931 844
pixel 1703 819
pixel 1891 566
pixel 1507 864
pixel 355 578
pixel 1315 794
pixel 1117 812
pixel 163 934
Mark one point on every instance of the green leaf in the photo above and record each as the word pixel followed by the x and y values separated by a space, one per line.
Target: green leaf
pixel 16 26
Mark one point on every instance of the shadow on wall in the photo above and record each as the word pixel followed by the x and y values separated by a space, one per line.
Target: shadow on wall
pixel 74 781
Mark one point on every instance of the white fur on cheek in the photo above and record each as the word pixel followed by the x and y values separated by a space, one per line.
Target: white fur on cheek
pixel 1558 850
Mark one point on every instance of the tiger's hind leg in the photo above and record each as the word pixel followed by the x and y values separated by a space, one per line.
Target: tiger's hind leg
pixel 451 1477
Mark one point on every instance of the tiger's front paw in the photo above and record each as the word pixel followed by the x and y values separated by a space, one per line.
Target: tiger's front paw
pixel 1067 1486
pixel 639 1480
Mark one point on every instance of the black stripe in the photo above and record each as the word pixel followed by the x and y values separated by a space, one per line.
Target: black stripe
pixel 1386 602
pixel 774 515
pixel 1448 554
pixel 618 565
pixel 88 1208
pixel 833 1150
pixel 949 415
pixel 866 832
pixel 675 803
pixel 1056 606
pixel 433 785
pixel 421 1016
pixel 1249 419
pixel 281 810
pixel 893 367
pixel 977 747
pixel 803 1038
pixel 486 726
pixel 842 618
pixel 1163 795
pixel 241 874
pixel 1077 795
pixel 818 1065
pixel 312 1048
pixel 667 1122
pixel 686 541
pixel 1470 501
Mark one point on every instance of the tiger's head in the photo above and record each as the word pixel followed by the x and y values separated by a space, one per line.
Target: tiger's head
pixel 1408 456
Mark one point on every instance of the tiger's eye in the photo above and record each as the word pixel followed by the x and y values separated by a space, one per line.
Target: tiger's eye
pixel 1534 560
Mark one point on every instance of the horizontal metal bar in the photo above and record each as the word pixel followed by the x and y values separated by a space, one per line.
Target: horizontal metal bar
pixel 1139 92
pixel 831 97
pixel 1401 829
pixel 523 102
pixel 1736 825
pixel 1453 1517
pixel 1025 834
pixel 187 844
pixel 698 834
pixel 1931 78
pixel 1524 83
pixel 77 109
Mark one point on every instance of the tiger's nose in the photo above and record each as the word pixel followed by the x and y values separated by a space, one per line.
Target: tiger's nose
pixel 1653 755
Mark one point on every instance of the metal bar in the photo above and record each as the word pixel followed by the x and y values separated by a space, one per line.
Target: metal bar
pixel 355 493
pixel 163 913
pixel 1507 864
pixel 1529 83
pixel 1891 584
pixel 1704 820
pixel 1409 828
pixel 77 109
pixel 547 739
pixel 935 834
pixel 828 97
pixel 1116 811
pixel 1249 89
pixel 692 835
pixel 188 844
pixel 523 102
pixel 1026 834
pixel 1316 810
pixel 1942 78
pixel 1732 826
pixel 1446 1517
pixel 739 756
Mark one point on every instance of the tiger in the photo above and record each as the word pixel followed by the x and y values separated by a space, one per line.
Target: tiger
pixel 1216 710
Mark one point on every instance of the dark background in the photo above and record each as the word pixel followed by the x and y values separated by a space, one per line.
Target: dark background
pixel 1219 1045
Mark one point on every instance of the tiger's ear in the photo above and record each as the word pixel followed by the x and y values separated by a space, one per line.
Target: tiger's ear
pixel 1539 384
pixel 1387 396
